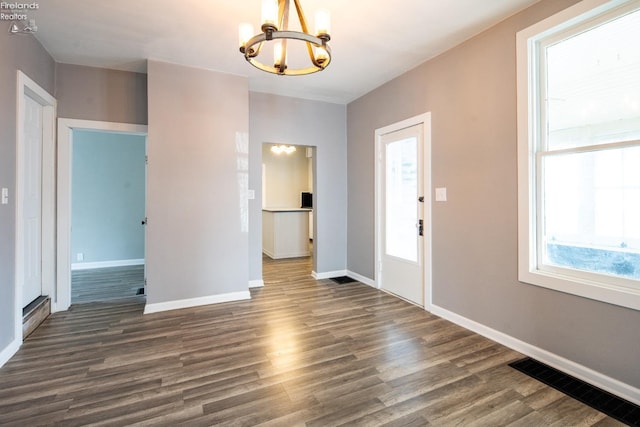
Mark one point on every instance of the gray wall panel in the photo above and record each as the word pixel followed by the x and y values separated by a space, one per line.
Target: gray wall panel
pixel 471 93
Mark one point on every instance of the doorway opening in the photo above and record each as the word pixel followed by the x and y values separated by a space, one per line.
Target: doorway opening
pixel 288 208
pixel 107 210
pixel 403 210
pixel 101 210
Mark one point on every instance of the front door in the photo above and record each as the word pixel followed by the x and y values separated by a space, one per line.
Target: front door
pixel 401 214
pixel 32 208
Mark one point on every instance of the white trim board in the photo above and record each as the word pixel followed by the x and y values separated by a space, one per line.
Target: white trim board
pixel 106 264
pixel 328 274
pixel 10 350
pixel 256 284
pixel 362 279
pixel 196 302
pixel 588 375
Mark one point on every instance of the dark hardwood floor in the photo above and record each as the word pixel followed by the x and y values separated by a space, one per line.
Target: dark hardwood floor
pixel 103 284
pixel 300 352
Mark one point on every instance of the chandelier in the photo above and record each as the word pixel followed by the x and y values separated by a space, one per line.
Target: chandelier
pixel 275 31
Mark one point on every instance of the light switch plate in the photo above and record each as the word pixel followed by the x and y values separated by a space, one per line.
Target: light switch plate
pixel 441 194
pixel 251 194
pixel 5 196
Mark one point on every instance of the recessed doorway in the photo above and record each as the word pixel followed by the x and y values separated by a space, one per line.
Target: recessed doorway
pixel 68 254
pixel 107 212
pixel 287 209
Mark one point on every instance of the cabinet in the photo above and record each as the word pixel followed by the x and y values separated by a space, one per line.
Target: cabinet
pixel 285 233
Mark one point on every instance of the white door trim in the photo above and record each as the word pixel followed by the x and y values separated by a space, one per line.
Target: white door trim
pixel 65 141
pixel 425 120
pixel 26 85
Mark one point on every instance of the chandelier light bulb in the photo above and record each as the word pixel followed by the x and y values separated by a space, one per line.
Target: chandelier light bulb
pixel 277 54
pixel 323 23
pixel 269 14
pixel 245 32
pixel 320 54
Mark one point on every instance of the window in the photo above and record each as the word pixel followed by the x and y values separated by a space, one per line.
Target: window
pixel 579 152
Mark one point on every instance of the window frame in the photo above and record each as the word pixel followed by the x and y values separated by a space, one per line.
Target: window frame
pixel 531 119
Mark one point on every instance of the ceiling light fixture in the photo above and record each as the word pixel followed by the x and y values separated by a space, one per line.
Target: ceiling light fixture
pixel 275 27
pixel 279 149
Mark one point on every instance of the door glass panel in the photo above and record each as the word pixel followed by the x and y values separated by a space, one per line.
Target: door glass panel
pixel 401 203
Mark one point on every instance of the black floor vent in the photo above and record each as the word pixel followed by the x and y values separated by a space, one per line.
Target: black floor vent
pixel 343 279
pixel 601 400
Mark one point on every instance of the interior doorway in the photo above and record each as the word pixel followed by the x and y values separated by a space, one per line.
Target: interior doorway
pixel 403 210
pixel 108 188
pixel 288 209
pixel 73 256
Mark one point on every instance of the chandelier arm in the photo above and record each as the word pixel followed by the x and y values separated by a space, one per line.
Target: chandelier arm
pixel 301 17
pixel 283 10
pixel 312 56
pixel 250 52
pixel 283 43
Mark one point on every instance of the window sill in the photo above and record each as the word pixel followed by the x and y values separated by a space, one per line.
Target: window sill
pixel 609 293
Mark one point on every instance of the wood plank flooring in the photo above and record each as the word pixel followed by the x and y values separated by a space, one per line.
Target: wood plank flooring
pixel 299 353
pixel 103 284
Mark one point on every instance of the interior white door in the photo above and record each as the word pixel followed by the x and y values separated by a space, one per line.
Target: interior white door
pixel 401 214
pixel 32 200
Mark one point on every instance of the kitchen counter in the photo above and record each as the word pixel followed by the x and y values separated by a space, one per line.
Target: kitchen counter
pixel 285 232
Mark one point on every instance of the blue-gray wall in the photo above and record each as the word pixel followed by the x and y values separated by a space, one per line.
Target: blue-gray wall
pixel 108 196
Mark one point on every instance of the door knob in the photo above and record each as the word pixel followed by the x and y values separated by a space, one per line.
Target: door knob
pixel 144 221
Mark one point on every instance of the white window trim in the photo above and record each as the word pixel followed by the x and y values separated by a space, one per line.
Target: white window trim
pixel 528 272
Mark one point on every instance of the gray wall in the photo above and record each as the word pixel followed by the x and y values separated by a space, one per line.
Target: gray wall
pixel 471 93
pixel 295 121
pixel 89 93
pixel 26 54
pixel 197 178
pixel 108 196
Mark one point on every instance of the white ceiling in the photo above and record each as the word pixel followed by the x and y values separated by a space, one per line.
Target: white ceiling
pixel 371 44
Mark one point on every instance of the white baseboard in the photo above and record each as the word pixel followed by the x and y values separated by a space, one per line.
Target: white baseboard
pixel 567 366
pixel 195 302
pixel 9 351
pixel 360 278
pixel 298 254
pixel 328 274
pixel 106 264
pixel 256 284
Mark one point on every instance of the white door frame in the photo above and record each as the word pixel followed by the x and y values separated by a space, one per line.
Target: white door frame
pixel 26 86
pixel 65 153
pixel 425 120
